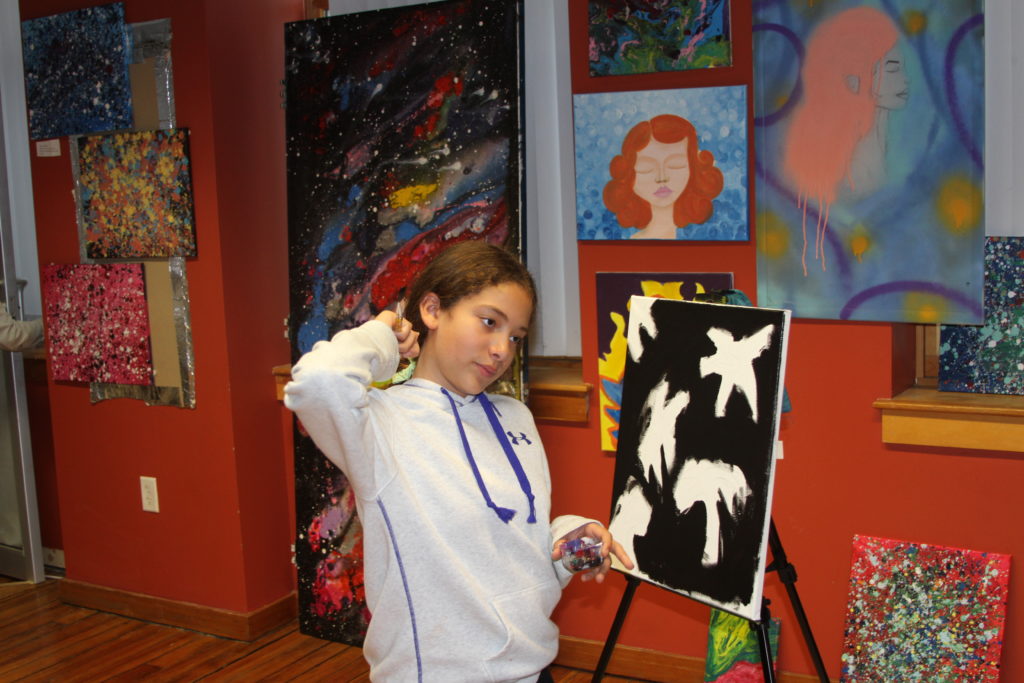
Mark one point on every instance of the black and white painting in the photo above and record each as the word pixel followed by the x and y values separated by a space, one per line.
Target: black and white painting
pixel 702 394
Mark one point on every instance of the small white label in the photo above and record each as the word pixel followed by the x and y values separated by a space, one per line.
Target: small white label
pixel 48 148
pixel 778 449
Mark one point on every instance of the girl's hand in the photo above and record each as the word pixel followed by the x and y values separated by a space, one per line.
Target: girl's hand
pixel 408 339
pixel 608 546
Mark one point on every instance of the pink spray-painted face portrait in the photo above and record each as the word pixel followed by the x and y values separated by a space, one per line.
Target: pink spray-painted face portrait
pixel 662 172
pixel 891 88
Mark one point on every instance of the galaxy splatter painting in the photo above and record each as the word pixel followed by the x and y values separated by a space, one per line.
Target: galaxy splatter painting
pixel 97 323
pixel 989 359
pixel 135 195
pixel 76 72
pixel 695 465
pixel 869 120
pixel 920 612
pixel 645 36
pixel 403 137
pixel 613 293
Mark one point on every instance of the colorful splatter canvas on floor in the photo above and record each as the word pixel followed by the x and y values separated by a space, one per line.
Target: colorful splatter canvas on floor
pixel 920 612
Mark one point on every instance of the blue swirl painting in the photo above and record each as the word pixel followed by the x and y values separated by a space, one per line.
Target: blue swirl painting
pixel 645 36
pixel 604 124
pixel 869 131
pixel 76 72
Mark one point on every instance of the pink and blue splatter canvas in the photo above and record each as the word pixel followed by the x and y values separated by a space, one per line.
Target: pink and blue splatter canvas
pixel 135 195
pixel 919 612
pixel 646 36
pixel 990 359
pixel 97 323
pixel 76 72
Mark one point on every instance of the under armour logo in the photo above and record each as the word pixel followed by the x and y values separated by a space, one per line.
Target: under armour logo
pixel 516 439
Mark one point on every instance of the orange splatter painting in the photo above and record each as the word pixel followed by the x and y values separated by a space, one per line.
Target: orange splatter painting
pixel 135 195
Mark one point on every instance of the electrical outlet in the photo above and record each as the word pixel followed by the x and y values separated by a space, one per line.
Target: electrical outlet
pixel 150 499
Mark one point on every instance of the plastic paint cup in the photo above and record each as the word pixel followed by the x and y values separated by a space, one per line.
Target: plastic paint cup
pixel 581 554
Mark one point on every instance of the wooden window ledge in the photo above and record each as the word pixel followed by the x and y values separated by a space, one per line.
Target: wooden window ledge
pixel 557 391
pixel 922 416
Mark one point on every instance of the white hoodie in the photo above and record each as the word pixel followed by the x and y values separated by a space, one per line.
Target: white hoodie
pixel 456 593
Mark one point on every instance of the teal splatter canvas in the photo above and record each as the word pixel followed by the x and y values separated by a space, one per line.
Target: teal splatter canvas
pixel 920 612
pixel 990 359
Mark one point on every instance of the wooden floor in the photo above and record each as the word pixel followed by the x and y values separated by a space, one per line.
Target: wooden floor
pixel 43 639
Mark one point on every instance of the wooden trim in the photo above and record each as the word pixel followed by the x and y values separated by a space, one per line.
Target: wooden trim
pixel 557 391
pixel 926 417
pixel 282 375
pixel 218 622
pixel 649 665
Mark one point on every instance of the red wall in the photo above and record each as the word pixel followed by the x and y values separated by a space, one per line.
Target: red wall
pixel 222 536
pixel 837 478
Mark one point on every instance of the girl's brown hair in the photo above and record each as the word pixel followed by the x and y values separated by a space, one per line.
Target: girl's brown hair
pixel 462 270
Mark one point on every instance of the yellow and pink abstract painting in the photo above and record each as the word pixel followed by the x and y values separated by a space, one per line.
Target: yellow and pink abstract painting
pixel 869 130
pixel 97 323
pixel 922 612
pixel 135 195
pixel 613 293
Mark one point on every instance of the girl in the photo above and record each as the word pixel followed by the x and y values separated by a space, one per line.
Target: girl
pixel 452 484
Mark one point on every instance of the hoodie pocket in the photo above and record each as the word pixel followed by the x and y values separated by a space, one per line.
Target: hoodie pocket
pixel 531 637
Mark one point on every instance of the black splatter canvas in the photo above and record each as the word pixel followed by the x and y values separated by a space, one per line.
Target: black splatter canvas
pixel 403 137
pixel 695 462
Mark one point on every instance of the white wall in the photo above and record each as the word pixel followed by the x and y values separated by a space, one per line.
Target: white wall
pixel 1004 103
pixel 19 172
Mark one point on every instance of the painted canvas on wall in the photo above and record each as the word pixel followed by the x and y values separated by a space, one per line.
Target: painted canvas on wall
pixel 945 607
pixel 613 293
pixel 694 470
pixel 662 164
pixel 869 125
pixel 76 72
pixel 990 359
pixel 403 137
pixel 97 323
pixel 734 655
pixel 134 193
pixel 645 36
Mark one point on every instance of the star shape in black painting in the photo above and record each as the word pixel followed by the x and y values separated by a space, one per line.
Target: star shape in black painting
pixel 733 360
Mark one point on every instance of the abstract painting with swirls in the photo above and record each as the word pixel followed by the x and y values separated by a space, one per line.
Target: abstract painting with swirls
pixel 403 137
pixel 869 131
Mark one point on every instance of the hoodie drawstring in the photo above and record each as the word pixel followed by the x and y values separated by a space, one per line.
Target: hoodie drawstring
pixel 517 467
pixel 504 514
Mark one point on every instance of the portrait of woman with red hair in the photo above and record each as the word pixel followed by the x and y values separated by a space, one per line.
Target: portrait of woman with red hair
pixel 662 164
pixel 661 180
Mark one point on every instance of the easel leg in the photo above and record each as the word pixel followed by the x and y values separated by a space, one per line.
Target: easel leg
pixel 609 646
pixel 764 643
pixel 787 574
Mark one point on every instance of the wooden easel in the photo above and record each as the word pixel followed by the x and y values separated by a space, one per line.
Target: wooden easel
pixel 787 574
